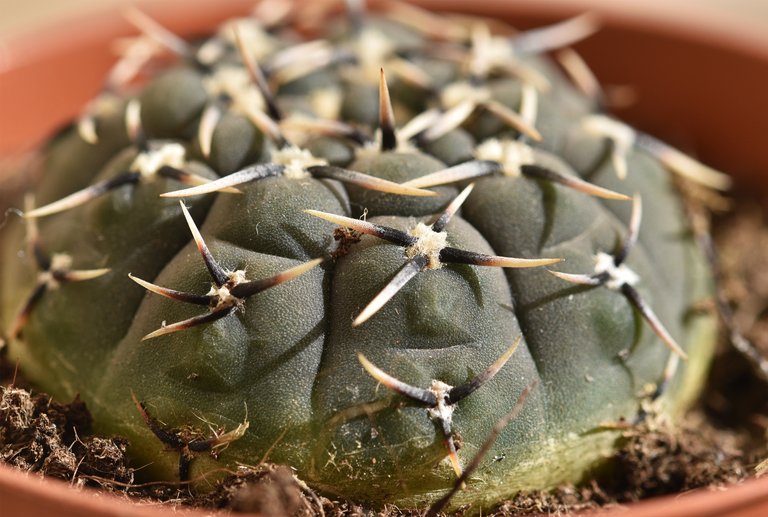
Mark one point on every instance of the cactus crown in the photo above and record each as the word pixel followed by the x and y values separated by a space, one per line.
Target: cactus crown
pixel 489 256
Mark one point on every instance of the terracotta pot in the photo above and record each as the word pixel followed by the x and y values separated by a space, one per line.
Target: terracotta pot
pixel 700 80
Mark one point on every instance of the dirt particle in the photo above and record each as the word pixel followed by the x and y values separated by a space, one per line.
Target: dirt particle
pixel 562 501
pixel 663 461
pixel 345 238
pixel 40 435
pixel 267 490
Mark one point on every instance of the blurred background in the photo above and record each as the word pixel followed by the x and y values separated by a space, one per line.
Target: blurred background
pixel 699 67
pixel 22 15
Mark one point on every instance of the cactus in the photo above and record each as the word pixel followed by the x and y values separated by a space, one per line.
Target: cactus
pixel 356 298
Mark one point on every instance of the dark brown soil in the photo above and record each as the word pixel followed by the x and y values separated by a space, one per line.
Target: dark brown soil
pixel 720 442
pixel 738 391
pixel 652 463
pixel 40 435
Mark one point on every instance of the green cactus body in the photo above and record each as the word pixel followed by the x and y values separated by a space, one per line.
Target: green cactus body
pixel 286 359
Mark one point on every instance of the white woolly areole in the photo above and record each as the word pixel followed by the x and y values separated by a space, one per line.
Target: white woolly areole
pixel 326 103
pixel 210 51
pixel 236 277
pixel 59 262
pixel 258 41
pixel 372 51
pixel 169 154
pixel 373 148
pixel 500 51
pixel 617 276
pixel 224 298
pixel 295 160
pixel 428 243
pixel 456 93
pixel 234 82
pixel 622 136
pixel 370 149
pixel 511 154
pixel 442 410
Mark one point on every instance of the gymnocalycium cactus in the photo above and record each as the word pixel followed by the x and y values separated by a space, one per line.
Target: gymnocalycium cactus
pixel 359 299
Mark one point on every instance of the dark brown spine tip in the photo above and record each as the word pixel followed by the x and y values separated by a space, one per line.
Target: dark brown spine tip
pixel 42 260
pixel 185 461
pixel 168 438
pixel 173 294
pixel 392 235
pixel 391 383
pixel 444 218
pixel 404 275
pixel 458 256
pixel 166 171
pixel 23 317
pixel 633 232
pixel 85 195
pixel 460 392
pixel 187 324
pixel 634 298
pixel 572 182
pixel 258 78
pixel 436 508
pixel 246 289
pixel 218 274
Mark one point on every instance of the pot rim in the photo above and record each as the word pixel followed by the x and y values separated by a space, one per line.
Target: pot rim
pixel 735 39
